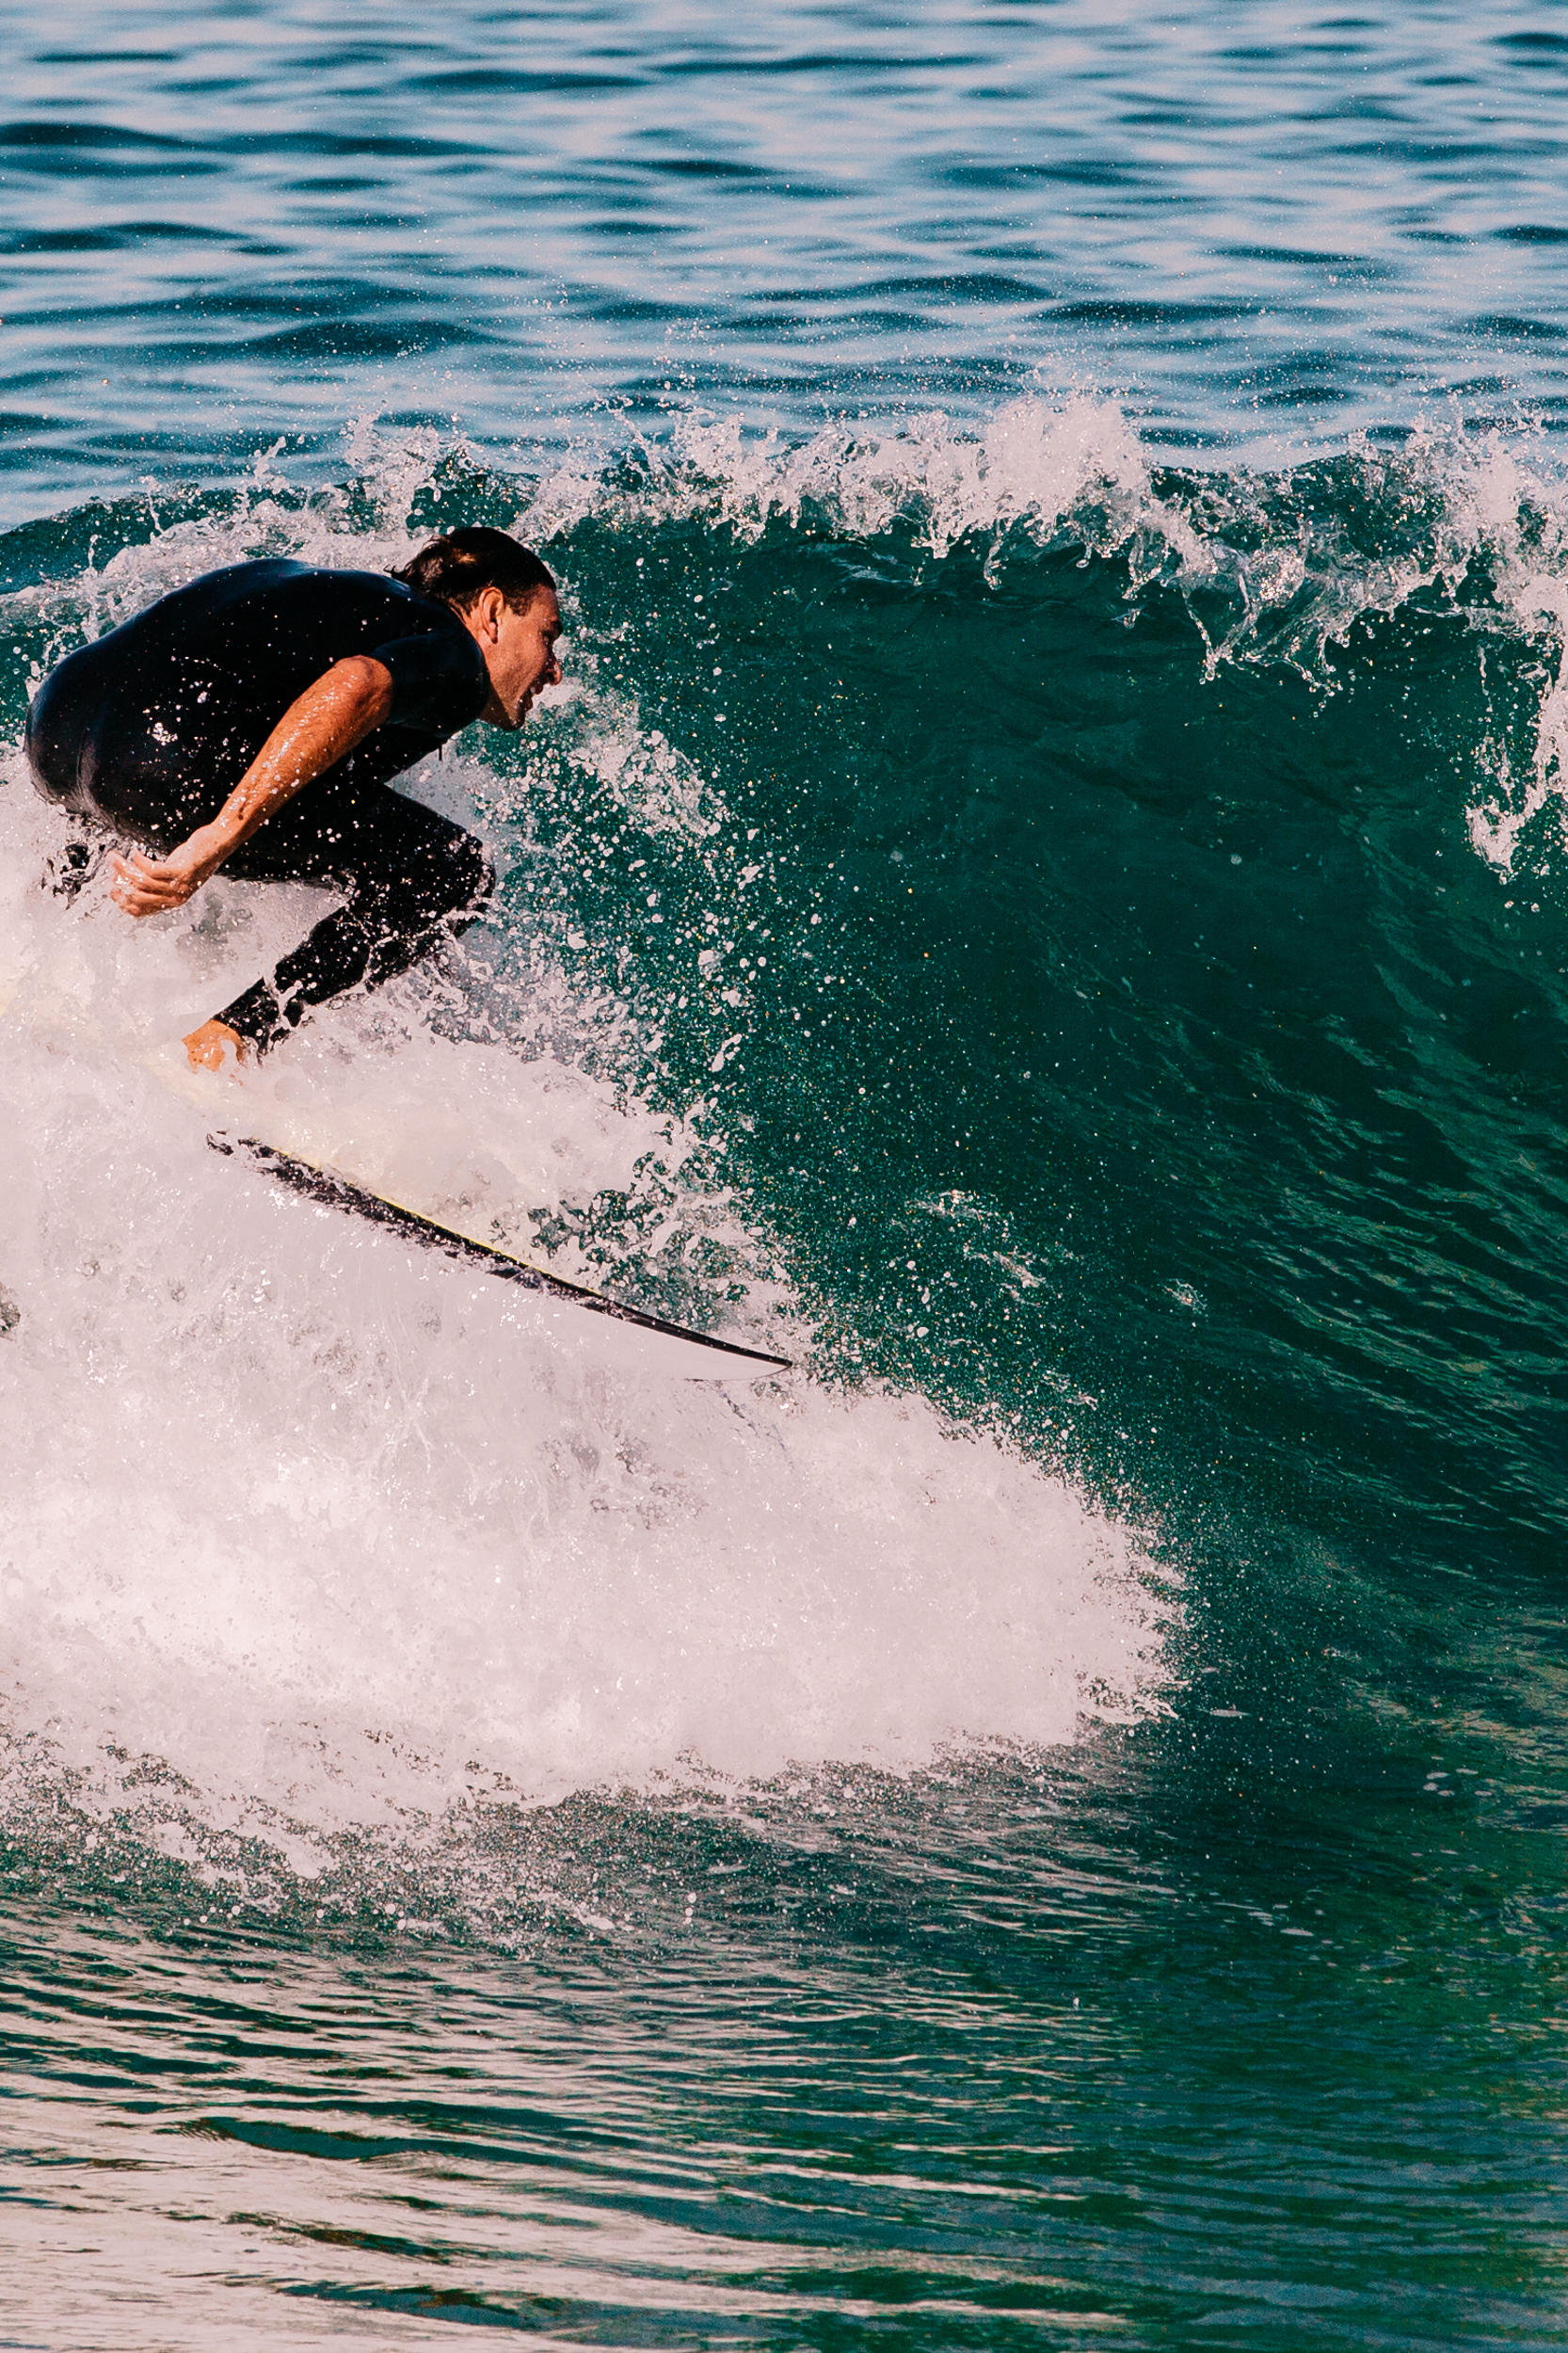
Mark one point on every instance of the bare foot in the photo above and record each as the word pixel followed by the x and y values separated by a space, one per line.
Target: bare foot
pixel 210 1046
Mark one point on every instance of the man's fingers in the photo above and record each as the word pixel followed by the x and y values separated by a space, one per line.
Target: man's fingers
pixel 144 888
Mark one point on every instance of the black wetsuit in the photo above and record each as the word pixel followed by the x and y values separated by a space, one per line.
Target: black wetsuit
pixel 150 727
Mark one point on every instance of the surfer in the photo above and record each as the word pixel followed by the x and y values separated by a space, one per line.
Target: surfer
pixel 252 720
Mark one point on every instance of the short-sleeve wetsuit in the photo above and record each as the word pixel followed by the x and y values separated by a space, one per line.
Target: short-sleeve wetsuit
pixel 150 728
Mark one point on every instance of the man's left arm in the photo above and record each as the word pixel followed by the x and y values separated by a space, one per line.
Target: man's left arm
pixel 344 705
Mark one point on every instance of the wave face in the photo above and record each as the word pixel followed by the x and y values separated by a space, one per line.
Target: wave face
pixel 1040 897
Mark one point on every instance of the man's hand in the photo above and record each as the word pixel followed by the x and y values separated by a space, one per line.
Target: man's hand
pixel 145 886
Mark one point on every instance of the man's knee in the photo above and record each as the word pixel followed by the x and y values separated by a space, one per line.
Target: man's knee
pixel 448 880
pixel 458 887
pixel 473 878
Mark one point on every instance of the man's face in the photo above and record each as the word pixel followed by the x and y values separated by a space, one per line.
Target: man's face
pixel 519 650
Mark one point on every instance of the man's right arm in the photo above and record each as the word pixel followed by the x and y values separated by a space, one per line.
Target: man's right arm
pixel 347 703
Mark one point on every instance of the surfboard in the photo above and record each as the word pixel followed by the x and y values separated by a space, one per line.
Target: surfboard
pixel 333 1188
pixel 334 1191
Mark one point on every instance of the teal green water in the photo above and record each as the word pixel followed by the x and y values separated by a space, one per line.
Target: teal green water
pixel 1048 1828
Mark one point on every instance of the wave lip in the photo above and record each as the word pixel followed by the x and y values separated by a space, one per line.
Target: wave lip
pixel 1036 462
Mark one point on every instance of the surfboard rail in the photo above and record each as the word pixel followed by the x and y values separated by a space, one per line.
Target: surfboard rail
pixel 332 1191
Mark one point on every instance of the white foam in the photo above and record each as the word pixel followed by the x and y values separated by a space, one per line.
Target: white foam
pixel 332 1532
pixel 1035 462
pixel 1500 822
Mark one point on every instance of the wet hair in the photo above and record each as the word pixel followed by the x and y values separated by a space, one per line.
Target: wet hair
pixel 454 569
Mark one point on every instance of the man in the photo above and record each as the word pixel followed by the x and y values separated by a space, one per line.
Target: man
pixel 252 720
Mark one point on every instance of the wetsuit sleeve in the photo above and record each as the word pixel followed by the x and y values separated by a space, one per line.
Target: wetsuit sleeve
pixel 439 681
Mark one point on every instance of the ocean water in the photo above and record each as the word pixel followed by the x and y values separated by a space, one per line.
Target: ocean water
pixel 1041 897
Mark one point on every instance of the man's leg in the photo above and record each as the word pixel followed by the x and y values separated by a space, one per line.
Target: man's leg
pixel 408 876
